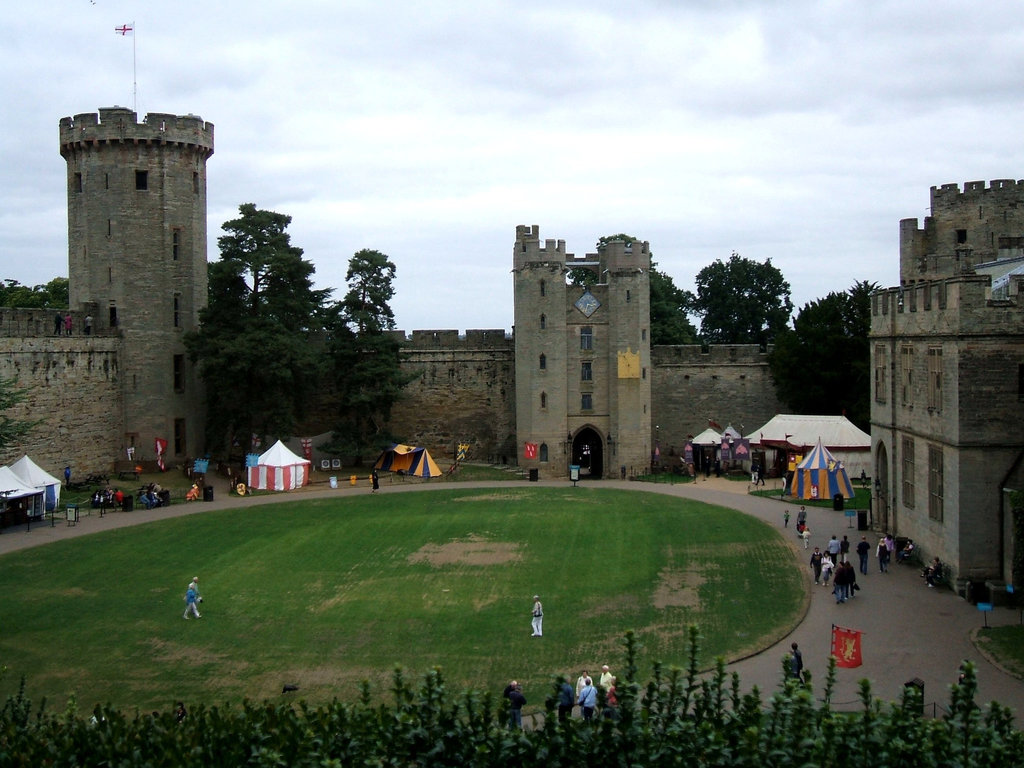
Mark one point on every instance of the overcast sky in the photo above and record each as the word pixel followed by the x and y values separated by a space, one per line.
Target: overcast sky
pixel 800 132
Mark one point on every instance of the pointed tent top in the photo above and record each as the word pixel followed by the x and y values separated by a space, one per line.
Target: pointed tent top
pixel 818 457
pixel 32 473
pixel 13 487
pixel 278 455
pixel 707 437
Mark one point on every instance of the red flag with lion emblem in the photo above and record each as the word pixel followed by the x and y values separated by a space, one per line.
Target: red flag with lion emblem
pixel 846 646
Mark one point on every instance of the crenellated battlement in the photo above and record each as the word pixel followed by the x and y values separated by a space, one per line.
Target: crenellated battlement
pixel 960 305
pixel 948 195
pixel 452 339
pixel 528 249
pixel 719 354
pixel 117 125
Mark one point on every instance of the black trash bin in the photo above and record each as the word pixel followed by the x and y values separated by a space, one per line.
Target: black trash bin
pixel 128 504
pixel 862 519
pixel 208 493
pixel 534 475
pixel 837 502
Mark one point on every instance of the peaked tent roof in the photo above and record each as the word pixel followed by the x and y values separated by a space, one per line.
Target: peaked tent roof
pixel 37 477
pixel 820 475
pixel 409 460
pixel 278 455
pixel 707 437
pixel 795 431
pixel 33 475
pixel 13 487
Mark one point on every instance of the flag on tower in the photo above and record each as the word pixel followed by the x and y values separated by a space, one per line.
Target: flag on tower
pixel 125 29
pixel 846 646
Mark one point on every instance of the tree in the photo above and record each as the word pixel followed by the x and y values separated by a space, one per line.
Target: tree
pixel 669 304
pixel 669 321
pixel 12 429
pixel 254 346
pixel 53 294
pixel 741 302
pixel 366 356
pixel 822 364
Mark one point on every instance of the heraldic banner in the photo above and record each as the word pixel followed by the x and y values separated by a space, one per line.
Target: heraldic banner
pixel 846 646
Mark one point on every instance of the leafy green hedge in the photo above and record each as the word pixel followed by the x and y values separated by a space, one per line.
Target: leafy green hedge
pixel 677 719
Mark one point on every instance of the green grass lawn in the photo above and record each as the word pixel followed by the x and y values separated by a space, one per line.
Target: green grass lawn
pixel 326 593
pixel 1005 644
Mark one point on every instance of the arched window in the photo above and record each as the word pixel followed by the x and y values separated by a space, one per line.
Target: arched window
pixel 543 322
pixel 543 362
pixel 543 452
pixel 543 399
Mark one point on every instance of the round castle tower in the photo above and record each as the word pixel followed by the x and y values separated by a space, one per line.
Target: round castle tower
pixel 137 260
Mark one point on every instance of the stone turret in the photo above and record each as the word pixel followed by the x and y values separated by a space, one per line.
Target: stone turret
pixel 137 258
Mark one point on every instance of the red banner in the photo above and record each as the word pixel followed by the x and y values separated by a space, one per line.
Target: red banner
pixel 160 445
pixel 846 646
pixel 530 451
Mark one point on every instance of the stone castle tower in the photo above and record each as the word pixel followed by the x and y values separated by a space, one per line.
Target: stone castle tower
pixel 966 229
pixel 137 260
pixel 582 357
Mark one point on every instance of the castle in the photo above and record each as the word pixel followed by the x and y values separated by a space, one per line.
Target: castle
pixel 577 379
pixel 948 393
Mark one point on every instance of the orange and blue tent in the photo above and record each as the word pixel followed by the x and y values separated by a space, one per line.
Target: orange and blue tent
pixel 820 476
pixel 408 460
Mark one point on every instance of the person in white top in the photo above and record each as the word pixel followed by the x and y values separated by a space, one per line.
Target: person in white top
pixel 538 617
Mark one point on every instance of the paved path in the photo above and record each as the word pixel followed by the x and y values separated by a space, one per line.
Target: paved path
pixel 910 631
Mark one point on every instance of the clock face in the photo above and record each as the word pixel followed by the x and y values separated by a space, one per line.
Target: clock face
pixel 587 304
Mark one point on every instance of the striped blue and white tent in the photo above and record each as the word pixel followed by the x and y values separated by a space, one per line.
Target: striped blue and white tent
pixel 820 476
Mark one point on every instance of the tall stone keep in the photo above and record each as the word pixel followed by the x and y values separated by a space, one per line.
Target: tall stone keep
pixel 583 357
pixel 137 260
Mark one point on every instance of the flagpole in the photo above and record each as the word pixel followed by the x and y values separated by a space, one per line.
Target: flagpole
pixel 135 87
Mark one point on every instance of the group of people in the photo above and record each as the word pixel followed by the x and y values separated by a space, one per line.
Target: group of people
pixel 152 496
pixel 836 567
pixel 108 497
pixel 585 696
pixel 832 565
pixel 62 324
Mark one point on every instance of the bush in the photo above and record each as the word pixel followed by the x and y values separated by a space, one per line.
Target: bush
pixel 677 718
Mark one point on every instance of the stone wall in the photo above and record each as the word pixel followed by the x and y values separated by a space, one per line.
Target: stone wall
pixel 464 393
pixel 729 384
pixel 73 390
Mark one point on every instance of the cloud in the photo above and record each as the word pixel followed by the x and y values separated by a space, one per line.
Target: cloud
pixel 797 131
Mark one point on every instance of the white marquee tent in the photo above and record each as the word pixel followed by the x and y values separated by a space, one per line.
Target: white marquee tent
pixel 35 476
pixel 14 492
pixel 799 434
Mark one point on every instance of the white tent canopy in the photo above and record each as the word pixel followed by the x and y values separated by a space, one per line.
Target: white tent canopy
pixel 279 470
pixel 707 437
pixel 797 433
pixel 805 432
pixel 13 489
pixel 35 476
